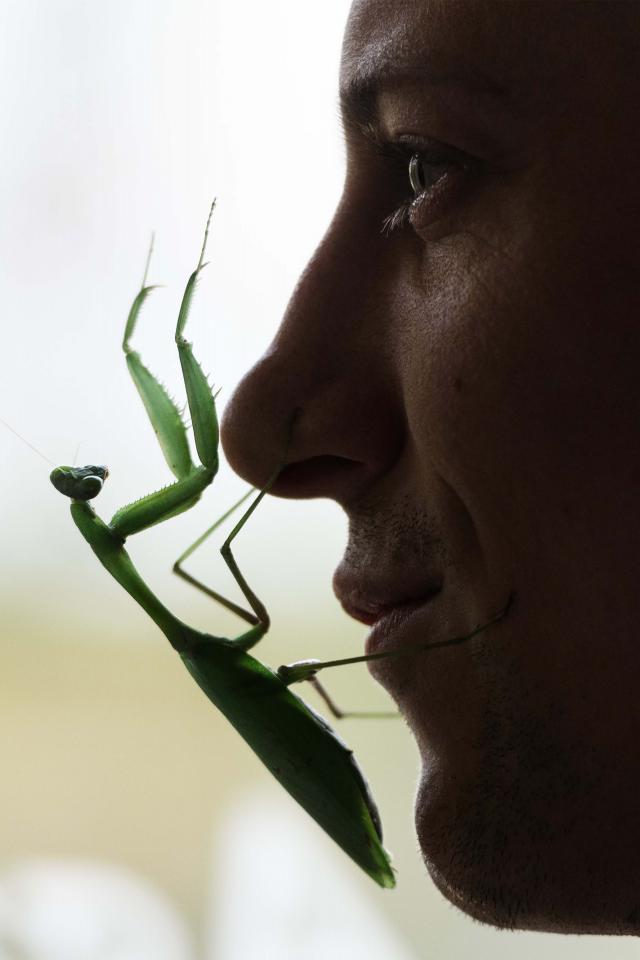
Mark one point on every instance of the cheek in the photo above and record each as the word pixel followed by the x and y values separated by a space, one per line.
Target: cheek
pixel 511 386
pixel 522 399
pixel 467 374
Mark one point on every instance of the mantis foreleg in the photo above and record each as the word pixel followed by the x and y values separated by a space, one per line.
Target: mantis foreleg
pixel 167 421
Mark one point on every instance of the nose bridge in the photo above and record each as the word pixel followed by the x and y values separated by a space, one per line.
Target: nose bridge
pixel 331 327
pixel 330 360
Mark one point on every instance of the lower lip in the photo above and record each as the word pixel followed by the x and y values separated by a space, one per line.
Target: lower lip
pixel 389 631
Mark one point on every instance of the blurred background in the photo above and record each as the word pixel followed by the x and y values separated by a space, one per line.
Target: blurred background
pixel 136 825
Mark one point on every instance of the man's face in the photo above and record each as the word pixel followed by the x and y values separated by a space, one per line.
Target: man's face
pixel 470 391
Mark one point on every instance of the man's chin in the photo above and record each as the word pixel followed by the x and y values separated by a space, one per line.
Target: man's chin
pixel 463 857
pixel 503 865
pixel 446 844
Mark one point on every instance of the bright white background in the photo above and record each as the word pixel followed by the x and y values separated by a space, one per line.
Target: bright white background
pixel 116 119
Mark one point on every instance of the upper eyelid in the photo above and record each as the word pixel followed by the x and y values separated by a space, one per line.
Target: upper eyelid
pixel 357 134
pixel 364 131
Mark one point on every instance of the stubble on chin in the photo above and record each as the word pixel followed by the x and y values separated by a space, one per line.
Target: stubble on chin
pixel 516 838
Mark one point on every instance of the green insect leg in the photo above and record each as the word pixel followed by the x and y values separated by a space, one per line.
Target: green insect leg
pixel 169 425
pixel 259 618
pixel 340 714
pixel 307 669
pixel 162 410
pixel 161 505
pixel 201 401
pixel 179 570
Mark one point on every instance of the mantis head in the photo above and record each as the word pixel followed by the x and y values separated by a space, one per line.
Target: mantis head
pixel 79 483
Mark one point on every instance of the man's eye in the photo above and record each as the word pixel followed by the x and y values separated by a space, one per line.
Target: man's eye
pixel 428 176
pixel 424 174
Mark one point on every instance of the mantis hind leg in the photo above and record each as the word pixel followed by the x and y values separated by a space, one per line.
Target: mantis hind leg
pixel 340 714
pixel 308 669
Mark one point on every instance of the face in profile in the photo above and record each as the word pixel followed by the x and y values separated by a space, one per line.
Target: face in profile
pixel 464 346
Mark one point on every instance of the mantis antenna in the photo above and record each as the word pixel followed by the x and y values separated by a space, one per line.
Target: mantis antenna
pixel 30 445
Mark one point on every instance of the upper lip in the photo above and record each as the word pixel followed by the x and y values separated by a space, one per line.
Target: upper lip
pixel 368 598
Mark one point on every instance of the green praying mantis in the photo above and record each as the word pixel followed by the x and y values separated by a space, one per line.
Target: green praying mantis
pixel 293 741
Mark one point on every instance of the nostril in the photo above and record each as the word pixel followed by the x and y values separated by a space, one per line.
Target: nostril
pixel 324 476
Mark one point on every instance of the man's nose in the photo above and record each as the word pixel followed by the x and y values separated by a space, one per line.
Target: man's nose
pixel 325 393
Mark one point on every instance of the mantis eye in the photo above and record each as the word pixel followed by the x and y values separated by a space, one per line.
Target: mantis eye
pixel 79 483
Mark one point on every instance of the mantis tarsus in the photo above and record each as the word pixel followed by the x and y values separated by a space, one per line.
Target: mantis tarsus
pixel 292 740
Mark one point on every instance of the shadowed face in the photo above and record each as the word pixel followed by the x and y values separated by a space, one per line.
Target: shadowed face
pixel 465 349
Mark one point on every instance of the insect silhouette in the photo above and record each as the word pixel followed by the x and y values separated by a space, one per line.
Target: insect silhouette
pixel 293 741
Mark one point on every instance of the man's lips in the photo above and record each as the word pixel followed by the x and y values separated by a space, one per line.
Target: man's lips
pixel 368 602
pixel 365 616
pixel 378 611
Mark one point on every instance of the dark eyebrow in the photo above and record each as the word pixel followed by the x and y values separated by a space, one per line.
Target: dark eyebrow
pixel 358 95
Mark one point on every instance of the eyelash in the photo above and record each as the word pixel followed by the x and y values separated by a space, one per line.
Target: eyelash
pixel 404 153
pixel 399 217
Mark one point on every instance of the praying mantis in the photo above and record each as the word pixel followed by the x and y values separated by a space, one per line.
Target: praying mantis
pixel 293 741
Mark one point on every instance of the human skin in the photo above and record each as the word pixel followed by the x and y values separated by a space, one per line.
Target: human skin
pixel 470 396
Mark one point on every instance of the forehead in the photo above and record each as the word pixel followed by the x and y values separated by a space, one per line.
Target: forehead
pixel 520 51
